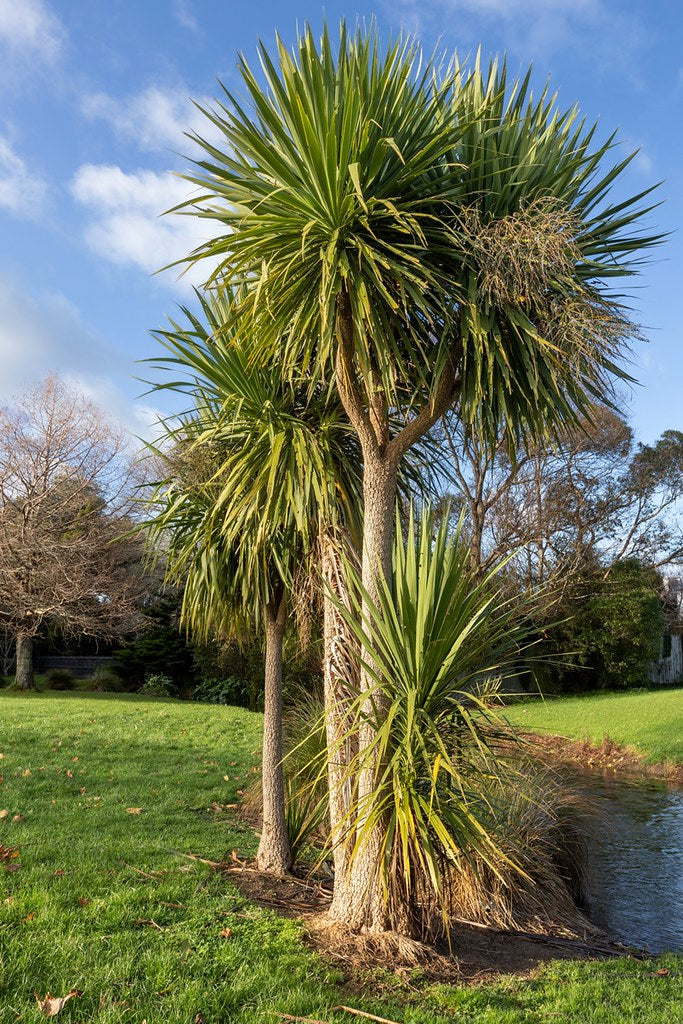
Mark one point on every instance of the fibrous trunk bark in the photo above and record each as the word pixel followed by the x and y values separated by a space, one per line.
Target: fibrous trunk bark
pixel 24 655
pixel 340 675
pixel 358 901
pixel 273 853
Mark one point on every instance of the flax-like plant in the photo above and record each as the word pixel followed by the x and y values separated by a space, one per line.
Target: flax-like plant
pixel 438 642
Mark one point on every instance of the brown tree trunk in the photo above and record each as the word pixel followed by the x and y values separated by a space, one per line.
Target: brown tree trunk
pixel 358 901
pixel 273 853
pixel 24 671
pixel 477 515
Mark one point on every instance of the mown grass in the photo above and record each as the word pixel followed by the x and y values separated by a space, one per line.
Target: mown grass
pixel 105 901
pixel 651 721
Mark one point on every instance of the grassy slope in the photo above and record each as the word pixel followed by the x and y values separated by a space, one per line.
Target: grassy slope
pixel 93 876
pixel 649 720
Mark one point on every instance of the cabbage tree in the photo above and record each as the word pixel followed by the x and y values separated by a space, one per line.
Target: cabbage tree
pixel 423 234
pixel 259 473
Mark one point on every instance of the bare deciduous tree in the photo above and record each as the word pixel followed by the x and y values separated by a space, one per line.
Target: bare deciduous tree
pixel 66 494
pixel 593 499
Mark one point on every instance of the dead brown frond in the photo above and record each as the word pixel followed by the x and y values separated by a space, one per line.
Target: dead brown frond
pixel 375 949
pixel 306 596
pixel 541 824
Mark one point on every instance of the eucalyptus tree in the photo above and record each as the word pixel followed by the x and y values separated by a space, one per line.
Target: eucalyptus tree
pixel 422 233
pixel 263 477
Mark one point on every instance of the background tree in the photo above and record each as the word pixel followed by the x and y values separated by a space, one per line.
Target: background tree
pixel 593 495
pixel 66 480
pixel 612 627
pixel 7 646
pixel 420 233
pixel 573 513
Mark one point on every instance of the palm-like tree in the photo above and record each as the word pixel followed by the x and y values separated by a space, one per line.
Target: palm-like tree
pixel 262 472
pixel 423 234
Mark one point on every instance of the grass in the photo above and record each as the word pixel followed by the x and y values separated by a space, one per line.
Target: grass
pixel 651 721
pixel 105 902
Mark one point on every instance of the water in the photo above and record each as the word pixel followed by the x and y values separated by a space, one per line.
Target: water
pixel 635 870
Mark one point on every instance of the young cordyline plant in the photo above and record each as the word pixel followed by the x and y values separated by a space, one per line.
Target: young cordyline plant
pixel 438 643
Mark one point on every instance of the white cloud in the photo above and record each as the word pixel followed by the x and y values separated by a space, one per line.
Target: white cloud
pixel 126 226
pixel 182 13
pixel 21 192
pixel 29 29
pixel 154 119
pixel 536 28
pixel 644 163
pixel 42 334
pixel 140 418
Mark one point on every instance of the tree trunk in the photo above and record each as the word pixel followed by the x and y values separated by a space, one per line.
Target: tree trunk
pixel 340 674
pixel 24 656
pixel 273 851
pixel 358 901
pixel 477 515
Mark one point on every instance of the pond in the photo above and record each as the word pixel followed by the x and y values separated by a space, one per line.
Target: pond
pixel 634 883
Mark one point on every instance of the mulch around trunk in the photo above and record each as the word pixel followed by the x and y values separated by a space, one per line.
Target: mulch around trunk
pixel 478 953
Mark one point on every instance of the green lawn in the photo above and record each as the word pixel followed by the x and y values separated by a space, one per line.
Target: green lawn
pixel 649 720
pixel 94 876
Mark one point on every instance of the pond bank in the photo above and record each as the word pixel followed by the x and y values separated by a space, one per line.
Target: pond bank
pixel 606 756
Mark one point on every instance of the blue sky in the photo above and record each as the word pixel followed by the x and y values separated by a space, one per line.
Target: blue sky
pixel 94 100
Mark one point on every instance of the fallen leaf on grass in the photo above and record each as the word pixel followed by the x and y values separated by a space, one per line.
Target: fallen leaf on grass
pixel 51 1005
pixel 663 972
pixel 4 814
pixel 226 778
pixel 8 901
pixel 29 917
pixel 26 773
pixel 149 921
pixel 59 872
pixel 18 817
pixel 133 810
pixel 69 774
pixel 225 933
pixel 83 902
